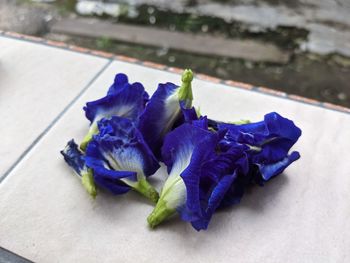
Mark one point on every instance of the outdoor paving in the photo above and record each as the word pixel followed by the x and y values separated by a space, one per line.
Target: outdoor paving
pixel 37 83
pixel 47 216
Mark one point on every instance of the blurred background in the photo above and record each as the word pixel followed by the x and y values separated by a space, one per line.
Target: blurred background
pixel 298 46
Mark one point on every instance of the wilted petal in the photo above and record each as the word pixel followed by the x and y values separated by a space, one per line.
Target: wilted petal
pixel 269 142
pixel 197 179
pixel 75 159
pixel 119 156
pixel 215 199
pixel 188 115
pixel 160 114
pixel 120 81
pixel 214 125
pixel 270 170
pixel 236 190
pixel 208 180
pixel 127 103
pixel 200 178
pixel 164 110
pixel 123 99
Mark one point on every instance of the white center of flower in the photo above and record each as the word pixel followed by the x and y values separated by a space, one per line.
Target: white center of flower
pixel 121 111
pixel 172 111
pixel 174 190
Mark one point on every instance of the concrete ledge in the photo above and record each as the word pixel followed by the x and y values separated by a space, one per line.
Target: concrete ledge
pixel 200 44
pixel 231 83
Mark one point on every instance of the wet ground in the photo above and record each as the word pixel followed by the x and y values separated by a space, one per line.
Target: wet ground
pixel 306 75
pixel 323 75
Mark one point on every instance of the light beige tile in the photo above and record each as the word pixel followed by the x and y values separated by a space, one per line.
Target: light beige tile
pixel 302 216
pixel 36 84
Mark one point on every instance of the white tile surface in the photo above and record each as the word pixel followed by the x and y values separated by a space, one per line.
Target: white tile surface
pixel 302 216
pixel 36 83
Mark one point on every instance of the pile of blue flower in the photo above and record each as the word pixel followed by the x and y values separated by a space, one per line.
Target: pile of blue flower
pixel 210 164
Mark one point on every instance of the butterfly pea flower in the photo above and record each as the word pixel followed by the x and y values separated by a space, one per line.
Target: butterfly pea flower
pixel 268 142
pixel 165 108
pixel 217 175
pixel 120 158
pixel 236 157
pixel 187 115
pixel 123 99
pixel 121 81
pixel 198 176
pixel 213 125
pixel 75 159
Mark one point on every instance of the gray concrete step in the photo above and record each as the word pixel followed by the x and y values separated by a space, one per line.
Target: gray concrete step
pixel 201 44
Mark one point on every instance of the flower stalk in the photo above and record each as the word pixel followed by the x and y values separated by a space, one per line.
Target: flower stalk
pixel 87 180
pixel 92 131
pixel 147 190
pixel 160 213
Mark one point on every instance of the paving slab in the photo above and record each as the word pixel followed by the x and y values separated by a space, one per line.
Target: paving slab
pixel 36 83
pixel 301 216
pixel 9 257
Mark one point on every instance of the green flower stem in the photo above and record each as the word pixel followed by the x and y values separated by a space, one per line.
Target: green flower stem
pixel 159 214
pixel 87 180
pixel 240 122
pixel 147 190
pixel 92 131
pixel 198 112
pixel 185 90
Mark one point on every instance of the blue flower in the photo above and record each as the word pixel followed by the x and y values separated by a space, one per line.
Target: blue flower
pixel 210 164
pixel 208 179
pixel 120 158
pixel 198 177
pixel 268 142
pixel 215 124
pixel 165 109
pixel 123 99
pixel 188 115
pixel 75 159
pixel 121 81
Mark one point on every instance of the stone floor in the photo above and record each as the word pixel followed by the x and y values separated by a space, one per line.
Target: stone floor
pixel 316 66
pixel 46 215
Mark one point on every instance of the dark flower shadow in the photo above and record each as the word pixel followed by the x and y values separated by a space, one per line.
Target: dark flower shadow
pixel 256 198
pixel 127 199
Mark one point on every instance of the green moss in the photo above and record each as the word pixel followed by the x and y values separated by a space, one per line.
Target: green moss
pixel 104 43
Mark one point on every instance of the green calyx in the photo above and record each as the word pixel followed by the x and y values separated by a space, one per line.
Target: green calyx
pixel 185 90
pixel 198 112
pixel 147 190
pixel 240 122
pixel 87 180
pixel 159 214
pixel 92 131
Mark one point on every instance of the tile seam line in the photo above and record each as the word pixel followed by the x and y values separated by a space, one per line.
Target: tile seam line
pixel 256 89
pixel 14 256
pixel 165 68
pixel 48 43
pixel 54 121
